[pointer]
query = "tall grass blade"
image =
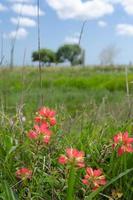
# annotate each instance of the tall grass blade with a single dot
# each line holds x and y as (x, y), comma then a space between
(8, 193)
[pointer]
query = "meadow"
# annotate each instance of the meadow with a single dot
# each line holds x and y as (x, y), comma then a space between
(87, 150)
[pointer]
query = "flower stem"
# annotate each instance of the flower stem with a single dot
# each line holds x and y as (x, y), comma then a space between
(71, 183)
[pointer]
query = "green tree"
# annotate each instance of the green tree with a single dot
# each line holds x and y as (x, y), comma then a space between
(46, 56)
(70, 52)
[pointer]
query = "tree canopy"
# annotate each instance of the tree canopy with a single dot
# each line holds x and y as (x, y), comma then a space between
(68, 52)
(71, 53)
(46, 56)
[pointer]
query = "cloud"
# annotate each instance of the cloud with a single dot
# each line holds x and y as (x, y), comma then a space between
(2, 7)
(125, 29)
(76, 9)
(128, 6)
(23, 21)
(28, 9)
(21, 33)
(102, 24)
(21, 1)
(73, 39)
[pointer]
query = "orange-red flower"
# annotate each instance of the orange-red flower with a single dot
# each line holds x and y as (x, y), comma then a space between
(124, 143)
(46, 115)
(44, 120)
(32, 135)
(94, 178)
(41, 132)
(72, 156)
(24, 173)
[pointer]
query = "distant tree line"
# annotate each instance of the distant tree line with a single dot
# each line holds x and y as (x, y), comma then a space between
(68, 52)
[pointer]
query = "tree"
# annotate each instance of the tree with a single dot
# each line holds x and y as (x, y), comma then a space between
(108, 55)
(46, 56)
(70, 52)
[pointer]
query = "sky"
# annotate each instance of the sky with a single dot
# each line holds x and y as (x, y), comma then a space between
(109, 22)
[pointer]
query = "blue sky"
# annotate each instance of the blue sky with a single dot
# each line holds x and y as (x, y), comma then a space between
(110, 22)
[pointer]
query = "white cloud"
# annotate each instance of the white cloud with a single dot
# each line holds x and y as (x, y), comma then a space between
(21, 1)
(2, 7)
(73, 39)
(102, 24)
(125, 29)
(23, 21)
(128, 6)
(21, 33)
(28, 9)
(76, 9)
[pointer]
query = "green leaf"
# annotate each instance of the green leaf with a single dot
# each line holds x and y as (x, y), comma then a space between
(7, 192)
(93, 194)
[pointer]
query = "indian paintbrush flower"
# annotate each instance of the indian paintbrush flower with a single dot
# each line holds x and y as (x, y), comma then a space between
(94, 178)
(123, 142)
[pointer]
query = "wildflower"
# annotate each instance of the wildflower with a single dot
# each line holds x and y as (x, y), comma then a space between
(94, 178)
(72, 156)
(41, 132)
(52, 121)
(63, 159)
(24, 173)
(124, 143)
(46, 112)
(46, 115)
(46, 139)
(32, 134)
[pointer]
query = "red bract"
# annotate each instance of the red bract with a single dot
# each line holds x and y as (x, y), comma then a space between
(46, 139)
(46, 115)
(32, 135)
(72, 156)
(94, 178)
(124, 143)
(40, 132)
(46, 112)
(62, 159)
(24, 173)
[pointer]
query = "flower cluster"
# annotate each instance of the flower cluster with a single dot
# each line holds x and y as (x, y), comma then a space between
(46, 116)
(73, 156)
(44, 120)
(94, 178)
(123, 142)
(24, 173)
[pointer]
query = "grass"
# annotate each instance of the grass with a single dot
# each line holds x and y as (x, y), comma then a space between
(68, 87)
(92, 107)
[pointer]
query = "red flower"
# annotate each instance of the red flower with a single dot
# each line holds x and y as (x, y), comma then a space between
(46, 115)
(41, 132)
(24, 173)
(94, 178)
(44, 129)
(43, 121)
(46, 139)
(52, 121)
(123, 142)
(32, 135)
(62, 159)
(73, 156)
(46, 112)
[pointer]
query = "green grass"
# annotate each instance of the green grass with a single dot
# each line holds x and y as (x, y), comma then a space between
(91, 105)
(70, 87)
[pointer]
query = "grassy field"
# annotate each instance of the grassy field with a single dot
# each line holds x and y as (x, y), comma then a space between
(92, 106)
(71, 88)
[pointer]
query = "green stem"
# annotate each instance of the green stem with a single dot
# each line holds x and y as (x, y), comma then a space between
(71, 183)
